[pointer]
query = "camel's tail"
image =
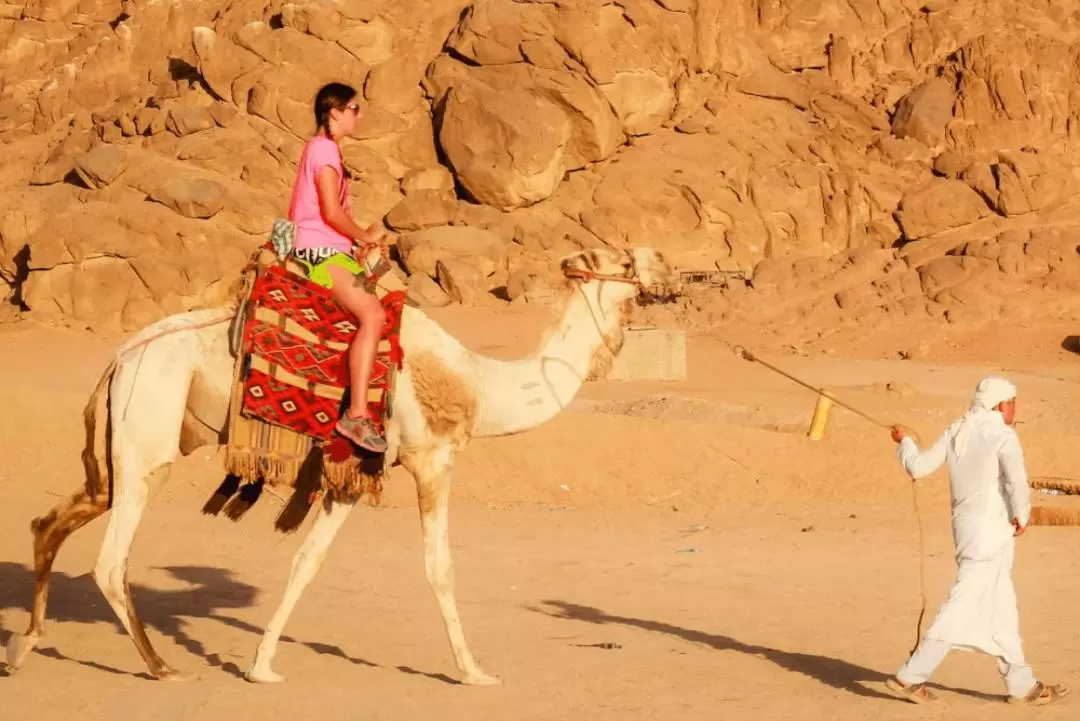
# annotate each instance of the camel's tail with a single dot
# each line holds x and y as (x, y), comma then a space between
(95, 455)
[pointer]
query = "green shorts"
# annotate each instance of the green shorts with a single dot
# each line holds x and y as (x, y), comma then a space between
(316, 262)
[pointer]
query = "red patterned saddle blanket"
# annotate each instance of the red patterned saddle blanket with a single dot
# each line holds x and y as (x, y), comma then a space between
(294, 365)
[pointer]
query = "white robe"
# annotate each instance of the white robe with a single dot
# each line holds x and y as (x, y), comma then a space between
(989, 488)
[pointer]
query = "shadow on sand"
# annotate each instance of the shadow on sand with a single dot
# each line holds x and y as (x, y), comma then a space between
(211, 591)
(833, 672)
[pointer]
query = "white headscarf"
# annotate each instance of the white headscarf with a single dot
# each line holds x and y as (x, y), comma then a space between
(990, 391)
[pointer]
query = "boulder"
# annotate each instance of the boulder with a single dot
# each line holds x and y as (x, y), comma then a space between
(464, 281)
(925, 111)
(520, 282)
(426, 293)
(184, 121)
(101, 166)
(191, 197)
(940, 205)
(421, 250)
(435, 177)
(422, 209)
(506, 148)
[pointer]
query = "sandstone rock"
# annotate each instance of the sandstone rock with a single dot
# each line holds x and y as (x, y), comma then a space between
(422, 209)
(924, 112)
(435, 178)
(184, 121)
(506, 148)
(426, 293)
(520, 282)
(224, 65)
(950, 165)
(463, 281)
(421, 250)
(699, 122)
(192, 198)
(1011, 199)
(944, 273)
(902, 150)
(101, 166)
(61, 160)
(596, 132)
(643, 100)
(859, 297)
(222, 113)
(773, 274)
(768, 82)
(147, 121)
(940, 205)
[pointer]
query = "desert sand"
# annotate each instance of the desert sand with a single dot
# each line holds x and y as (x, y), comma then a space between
(658, 550)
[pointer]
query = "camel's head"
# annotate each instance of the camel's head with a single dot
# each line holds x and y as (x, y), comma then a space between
(644, 273)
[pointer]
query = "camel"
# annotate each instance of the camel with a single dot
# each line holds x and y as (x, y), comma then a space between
(166, 393)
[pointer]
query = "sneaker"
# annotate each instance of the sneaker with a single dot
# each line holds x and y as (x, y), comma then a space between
(361, 431)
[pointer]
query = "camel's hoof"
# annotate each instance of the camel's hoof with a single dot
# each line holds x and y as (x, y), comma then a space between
(481, 679)
(173, 675)
(263, 675)
(19, 648)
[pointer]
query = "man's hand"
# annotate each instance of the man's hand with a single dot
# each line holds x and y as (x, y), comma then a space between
(1018, 530)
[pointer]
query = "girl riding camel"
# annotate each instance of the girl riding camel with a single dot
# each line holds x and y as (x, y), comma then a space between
(328, 242)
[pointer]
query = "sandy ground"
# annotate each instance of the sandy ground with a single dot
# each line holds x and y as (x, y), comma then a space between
(659, 551)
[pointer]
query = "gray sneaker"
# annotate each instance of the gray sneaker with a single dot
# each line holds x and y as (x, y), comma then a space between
(361, 431)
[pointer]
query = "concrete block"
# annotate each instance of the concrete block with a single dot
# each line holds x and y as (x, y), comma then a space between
(651, 353)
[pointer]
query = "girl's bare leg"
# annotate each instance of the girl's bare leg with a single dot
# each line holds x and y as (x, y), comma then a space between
(349, 291)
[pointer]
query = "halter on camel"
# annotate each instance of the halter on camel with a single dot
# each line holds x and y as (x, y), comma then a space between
(587, 275)
(632, 277)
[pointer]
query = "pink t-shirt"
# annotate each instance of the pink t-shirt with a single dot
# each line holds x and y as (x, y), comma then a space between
(311, 230)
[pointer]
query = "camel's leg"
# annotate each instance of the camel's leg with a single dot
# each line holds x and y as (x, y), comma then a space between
(149, 398)
(432, 472)
(131, 496)
(50, 532)
(306, 563)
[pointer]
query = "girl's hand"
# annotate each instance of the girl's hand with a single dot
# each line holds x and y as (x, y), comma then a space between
(374, 234)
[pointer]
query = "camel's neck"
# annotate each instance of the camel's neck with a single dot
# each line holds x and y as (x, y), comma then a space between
(518, 395)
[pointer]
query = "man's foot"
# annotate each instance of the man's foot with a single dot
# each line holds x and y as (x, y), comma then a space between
(915, 693)
(361, 431)
(1041, 695)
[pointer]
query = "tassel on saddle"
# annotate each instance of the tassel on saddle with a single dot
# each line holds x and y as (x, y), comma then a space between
(227, 498)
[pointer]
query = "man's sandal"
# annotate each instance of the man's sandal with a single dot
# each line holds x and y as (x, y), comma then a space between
(1041, 695)
(915, 693)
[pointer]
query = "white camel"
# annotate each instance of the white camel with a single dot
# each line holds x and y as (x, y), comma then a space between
(170, 396)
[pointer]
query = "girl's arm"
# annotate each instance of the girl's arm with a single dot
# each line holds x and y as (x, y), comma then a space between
(328, 186)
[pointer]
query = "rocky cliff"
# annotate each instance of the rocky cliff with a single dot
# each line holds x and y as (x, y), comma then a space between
(855, 159)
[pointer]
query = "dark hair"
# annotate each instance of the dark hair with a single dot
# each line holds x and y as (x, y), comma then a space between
(329, 97)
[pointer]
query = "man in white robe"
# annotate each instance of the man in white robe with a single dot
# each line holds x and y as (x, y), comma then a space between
(991, 506)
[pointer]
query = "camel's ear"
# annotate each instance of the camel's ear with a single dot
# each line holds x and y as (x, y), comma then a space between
(592, 260)
(582, 260)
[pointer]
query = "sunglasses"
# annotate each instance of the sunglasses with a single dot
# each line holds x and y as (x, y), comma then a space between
(353, 107)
